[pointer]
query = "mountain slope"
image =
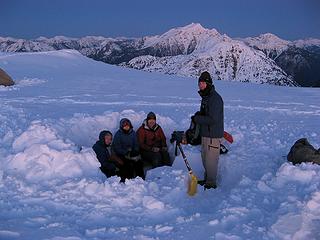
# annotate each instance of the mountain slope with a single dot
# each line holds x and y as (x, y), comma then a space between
(227, 60)
(300, 59)
(269, 43)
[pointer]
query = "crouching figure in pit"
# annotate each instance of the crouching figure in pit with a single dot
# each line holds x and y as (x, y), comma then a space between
(152, 142)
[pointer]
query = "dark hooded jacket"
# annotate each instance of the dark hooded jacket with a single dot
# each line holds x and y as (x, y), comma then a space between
(125, 142)
(103, 152)
(210, 117)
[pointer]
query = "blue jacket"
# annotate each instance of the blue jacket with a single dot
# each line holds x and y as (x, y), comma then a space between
(124, 142)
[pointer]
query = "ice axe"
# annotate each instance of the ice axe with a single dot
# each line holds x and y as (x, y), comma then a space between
(192, 181)
(179, 137)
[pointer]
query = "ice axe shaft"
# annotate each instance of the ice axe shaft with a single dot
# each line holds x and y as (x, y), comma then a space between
(185, 159)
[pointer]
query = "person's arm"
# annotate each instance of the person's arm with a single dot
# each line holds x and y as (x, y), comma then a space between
(114, 158)
(135, 142)
(103, 157)
(204, 120)
(215, 108)
(163, 138)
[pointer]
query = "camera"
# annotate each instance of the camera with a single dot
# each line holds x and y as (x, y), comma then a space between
(178, 137)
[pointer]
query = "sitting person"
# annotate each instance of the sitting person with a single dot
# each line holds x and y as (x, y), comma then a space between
(110, 164)
(152, 141)
(125, 145)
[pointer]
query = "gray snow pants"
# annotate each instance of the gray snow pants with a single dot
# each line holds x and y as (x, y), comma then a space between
(210, 151)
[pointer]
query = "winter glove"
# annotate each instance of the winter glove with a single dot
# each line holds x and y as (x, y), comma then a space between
(136, 158)
(155, 149)
(198, 113)
(127, 155)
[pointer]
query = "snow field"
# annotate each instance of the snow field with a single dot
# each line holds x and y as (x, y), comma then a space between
(51, 187)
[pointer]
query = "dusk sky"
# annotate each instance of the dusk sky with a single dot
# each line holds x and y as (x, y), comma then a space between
(288, 19)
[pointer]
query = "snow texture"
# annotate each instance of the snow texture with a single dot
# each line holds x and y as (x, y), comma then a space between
(51, 187)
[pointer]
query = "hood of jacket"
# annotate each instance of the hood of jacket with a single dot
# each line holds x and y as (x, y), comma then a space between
(102, 135)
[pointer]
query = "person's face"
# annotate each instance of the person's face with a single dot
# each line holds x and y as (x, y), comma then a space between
(126, 127)
(151, 123)
(202, 85)
(107, 139)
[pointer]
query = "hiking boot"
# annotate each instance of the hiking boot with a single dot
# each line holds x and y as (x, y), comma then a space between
(201, 182)
(209, 186)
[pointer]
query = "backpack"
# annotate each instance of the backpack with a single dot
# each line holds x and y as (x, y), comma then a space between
(303, 151)
(193, 134)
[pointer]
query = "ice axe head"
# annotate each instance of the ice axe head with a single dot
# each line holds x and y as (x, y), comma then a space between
(192, 185)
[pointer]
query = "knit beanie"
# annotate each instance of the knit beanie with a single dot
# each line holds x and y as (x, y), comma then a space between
(151, 115)
(205, 77)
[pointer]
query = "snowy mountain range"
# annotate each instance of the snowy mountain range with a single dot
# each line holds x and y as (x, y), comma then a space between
(191, 49)
(299, 59)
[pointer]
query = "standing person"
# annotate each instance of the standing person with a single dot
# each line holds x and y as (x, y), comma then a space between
(125, 145)
(210, 119)
(152, 142)
(110, 165)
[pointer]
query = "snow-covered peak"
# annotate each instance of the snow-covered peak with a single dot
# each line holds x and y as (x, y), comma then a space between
(193, 27)
(193, 30)
(271, 37)
(93, 38)
(188, 31)
(42, 38)
(307, 42)
(267, 41)
(187, 39)
(93, 41)
(62, 38)
(5, 39)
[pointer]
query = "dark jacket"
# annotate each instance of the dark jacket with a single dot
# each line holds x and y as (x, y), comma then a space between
(103, 153)
(303, 151)
(149, 138)
(211, 115)
(124, 142)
